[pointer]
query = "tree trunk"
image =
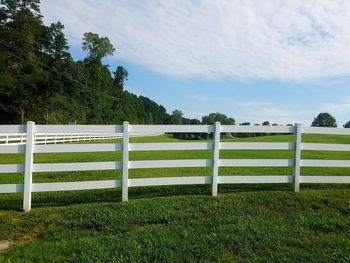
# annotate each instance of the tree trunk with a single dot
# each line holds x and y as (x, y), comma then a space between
(47, 116)
(22, 112)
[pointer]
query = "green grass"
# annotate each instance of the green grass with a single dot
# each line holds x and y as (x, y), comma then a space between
(245, 223)
(169, 155)
(252, 224)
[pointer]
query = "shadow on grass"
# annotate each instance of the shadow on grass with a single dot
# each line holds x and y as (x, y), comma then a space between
(14, 201)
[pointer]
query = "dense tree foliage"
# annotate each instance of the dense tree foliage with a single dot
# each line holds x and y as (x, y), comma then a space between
(214, 117)
(40, 81)
(324, 119)
(347, 125)
(98, 47)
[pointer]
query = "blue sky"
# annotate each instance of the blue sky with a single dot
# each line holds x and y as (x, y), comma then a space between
(282, 61)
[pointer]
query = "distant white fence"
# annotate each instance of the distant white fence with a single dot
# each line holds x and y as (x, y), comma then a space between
(46, 138)
(30, 148)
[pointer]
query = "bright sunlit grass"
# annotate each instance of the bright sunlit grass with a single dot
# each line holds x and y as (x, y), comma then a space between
(268, 223)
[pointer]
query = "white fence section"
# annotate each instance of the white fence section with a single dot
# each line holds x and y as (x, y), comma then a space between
(53, 138)
(31, 131)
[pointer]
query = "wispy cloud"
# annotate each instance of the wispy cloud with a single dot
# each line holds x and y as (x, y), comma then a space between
(206, 98)
(277, 39)
(257, 112)
(342, 107)
(194, 114)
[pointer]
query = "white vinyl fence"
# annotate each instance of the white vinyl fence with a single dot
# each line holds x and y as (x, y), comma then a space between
(46, 138)
(30, 148)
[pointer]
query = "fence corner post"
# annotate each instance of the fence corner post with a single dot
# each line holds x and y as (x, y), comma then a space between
(297, 156)
(216, 156)
(125, 179)
(28, 167)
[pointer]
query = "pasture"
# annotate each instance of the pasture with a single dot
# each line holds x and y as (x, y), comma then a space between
(181, 223)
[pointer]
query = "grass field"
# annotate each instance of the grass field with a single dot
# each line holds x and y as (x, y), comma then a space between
(181, 223)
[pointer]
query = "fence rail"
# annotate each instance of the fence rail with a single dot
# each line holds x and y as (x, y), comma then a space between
(54, 138)
(32, 132)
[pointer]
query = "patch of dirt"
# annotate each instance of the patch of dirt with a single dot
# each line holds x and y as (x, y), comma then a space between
(34, 233)
(4, 244)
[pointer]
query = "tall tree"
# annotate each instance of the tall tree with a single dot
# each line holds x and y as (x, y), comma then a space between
(55, 57)
(21, 73)
(324, 119)
(347, 125)
(55, 43)
(120, 75)
(99, 108)
(220, 117)
(97, 47)
(40, 81)
(176, 117)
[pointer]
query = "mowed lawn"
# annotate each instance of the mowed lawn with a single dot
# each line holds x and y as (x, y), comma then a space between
(181, 223)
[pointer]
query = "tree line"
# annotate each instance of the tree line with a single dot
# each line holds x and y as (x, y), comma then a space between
(40, 81)
(323, 119)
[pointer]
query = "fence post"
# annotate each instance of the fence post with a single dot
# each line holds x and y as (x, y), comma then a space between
(297, 156)
(125, 180)
(27, 193)
(216, 153)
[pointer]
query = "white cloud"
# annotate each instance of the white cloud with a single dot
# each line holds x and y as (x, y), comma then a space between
(257, 112)
(194, 114)
(206, 98)
(341, 108)
(276, 39)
